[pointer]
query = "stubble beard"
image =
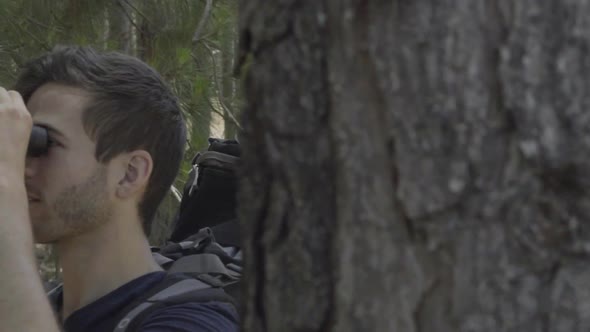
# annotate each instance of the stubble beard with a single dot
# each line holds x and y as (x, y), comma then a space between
(79, 209)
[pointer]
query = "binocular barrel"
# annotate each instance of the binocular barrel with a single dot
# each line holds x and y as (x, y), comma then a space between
(39, 142)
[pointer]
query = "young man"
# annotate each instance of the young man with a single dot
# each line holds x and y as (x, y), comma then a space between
(117, 139)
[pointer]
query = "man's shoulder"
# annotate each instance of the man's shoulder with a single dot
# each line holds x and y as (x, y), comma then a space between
(111, 310)
(182, 303)
(193, 316)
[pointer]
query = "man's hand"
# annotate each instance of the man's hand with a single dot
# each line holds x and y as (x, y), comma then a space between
(15, 131)
(23, 304)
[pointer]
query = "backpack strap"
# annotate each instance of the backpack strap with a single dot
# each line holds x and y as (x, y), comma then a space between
(175, 289)
(198, 264)
(55, 297)
(162, 260)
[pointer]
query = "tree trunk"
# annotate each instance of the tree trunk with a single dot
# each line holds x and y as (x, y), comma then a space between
(416, 165)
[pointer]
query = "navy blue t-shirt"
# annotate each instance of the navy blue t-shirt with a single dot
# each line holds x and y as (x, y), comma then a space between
(101, 315)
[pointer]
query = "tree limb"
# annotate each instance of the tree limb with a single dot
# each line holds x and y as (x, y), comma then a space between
(225, 107)
(203, 21)
(137, 11)
(129, 17)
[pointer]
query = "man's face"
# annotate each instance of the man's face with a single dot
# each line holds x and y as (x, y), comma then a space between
(68, 189)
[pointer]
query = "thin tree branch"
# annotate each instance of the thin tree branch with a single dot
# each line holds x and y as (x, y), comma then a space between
(220, 97)
(120, 3)
(45, 26)
(138, 11)
(203, 21)
(216, 111)
(39, 41)
(196, 39)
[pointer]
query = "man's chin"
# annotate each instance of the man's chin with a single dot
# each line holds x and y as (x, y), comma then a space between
(43, 238)
(41, 234)
(45, 242)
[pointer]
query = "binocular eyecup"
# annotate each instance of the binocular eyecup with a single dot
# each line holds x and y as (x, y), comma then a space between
(39, 142)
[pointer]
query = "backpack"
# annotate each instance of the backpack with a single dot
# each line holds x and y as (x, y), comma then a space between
(199, 270)
(203, 257)
(209, 195)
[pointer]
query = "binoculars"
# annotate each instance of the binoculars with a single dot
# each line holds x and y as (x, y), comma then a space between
(39, 142)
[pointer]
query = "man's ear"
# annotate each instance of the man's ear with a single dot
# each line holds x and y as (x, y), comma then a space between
(138, 169)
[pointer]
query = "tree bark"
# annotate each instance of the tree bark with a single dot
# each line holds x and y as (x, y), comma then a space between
(416, 165)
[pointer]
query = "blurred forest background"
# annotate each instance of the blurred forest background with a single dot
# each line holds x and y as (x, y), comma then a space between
(191, 43)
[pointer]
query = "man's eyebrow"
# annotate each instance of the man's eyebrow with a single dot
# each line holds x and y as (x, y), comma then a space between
(52, 130)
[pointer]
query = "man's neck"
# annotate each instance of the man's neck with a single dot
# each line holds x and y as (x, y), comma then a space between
(100, 261)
